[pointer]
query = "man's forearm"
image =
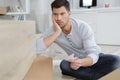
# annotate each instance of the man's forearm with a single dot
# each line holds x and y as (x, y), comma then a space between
(50, 39)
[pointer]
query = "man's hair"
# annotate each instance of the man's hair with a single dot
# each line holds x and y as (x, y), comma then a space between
(60, 3)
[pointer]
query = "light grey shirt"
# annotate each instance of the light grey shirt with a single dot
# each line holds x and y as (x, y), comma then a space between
(79, 42)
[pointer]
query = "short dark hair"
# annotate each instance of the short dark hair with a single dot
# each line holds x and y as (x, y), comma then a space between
(60, 3)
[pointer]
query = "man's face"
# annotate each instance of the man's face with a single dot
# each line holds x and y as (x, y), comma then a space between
(61, 16)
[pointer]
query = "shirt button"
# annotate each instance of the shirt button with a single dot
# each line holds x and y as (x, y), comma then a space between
(68, 36)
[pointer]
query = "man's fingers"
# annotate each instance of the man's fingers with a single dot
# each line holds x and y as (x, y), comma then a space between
(71, 60)
(54, 21)
(75, 67)
(74, 60)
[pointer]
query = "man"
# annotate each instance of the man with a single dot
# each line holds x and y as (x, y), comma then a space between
(76, 37)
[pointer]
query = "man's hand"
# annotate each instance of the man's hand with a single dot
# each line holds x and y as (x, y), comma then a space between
(56, 26)
(75, 63)
(51, 38)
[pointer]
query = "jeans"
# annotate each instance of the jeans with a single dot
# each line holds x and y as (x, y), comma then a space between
(106, 64)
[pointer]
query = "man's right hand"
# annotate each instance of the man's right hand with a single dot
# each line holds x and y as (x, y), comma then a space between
(56, 26)
(51, 38)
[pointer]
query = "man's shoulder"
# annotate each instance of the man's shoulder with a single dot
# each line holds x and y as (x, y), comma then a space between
(80, 25)
(77, 20)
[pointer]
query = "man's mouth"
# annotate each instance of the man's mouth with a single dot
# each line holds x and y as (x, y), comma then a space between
(59, 23)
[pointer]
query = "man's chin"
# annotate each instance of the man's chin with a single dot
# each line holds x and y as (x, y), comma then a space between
(62, 27)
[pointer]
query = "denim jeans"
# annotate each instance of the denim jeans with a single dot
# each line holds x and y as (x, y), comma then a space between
(106, 64)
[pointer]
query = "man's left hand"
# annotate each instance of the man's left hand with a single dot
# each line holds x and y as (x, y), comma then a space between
(75, 63)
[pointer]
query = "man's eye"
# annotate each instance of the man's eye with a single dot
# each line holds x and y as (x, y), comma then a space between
(55, 14)
(62, 13)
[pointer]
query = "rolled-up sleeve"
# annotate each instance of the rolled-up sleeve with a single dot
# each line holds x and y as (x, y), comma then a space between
(95, 57)
(90, 46)
(92, 49)
(40, 46)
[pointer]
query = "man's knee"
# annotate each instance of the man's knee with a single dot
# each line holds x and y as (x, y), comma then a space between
(116, 61)
(65, 66)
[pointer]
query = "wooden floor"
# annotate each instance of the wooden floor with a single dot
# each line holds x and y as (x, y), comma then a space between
(41, 69)
(115, 75)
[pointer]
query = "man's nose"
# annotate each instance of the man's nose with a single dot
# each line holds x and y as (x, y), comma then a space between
(59, 17)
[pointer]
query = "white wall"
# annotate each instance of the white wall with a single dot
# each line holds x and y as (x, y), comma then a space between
(39, 12)
(1, 4)
(113, 3)
(100, 3)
